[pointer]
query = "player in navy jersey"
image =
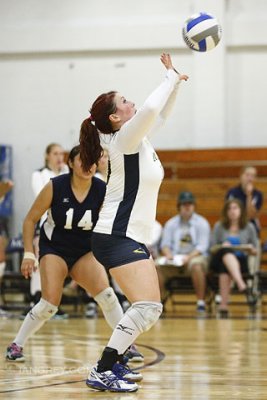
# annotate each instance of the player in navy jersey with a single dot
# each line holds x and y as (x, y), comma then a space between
(126, 221)
(73, 201)
(54, 165)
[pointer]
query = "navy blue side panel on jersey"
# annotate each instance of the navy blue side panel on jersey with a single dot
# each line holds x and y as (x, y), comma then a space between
(73, 220)
(131, 185)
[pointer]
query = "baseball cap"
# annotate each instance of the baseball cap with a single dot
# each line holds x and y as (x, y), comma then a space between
(186, 197)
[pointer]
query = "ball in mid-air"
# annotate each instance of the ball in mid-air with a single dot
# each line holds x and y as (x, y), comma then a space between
(202, 32)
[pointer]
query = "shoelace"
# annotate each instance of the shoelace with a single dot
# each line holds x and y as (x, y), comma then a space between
(110, 379)
(15, 348)
(122, 369)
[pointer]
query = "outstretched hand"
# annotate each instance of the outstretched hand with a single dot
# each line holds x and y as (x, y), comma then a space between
(166, 60)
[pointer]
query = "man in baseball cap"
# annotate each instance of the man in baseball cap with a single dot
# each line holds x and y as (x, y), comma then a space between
(186, 197)
(187, 235)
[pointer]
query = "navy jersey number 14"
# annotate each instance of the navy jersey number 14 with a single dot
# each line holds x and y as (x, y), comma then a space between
(69, 223)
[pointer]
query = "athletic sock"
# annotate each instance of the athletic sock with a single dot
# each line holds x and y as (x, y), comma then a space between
(124, 335)
(113, 315)
(108, 358)
(2, 268)
(29, 326)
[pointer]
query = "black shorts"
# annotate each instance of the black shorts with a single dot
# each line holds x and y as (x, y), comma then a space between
(217, 265)
(70, 258)
(114, 251)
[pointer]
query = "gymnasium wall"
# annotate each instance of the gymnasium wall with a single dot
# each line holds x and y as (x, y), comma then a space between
(57, 56)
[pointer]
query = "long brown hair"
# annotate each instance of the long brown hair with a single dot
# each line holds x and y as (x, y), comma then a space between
(90, 146)
(243, 220)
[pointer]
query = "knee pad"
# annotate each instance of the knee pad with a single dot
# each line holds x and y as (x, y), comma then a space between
(144, 314)
(106, 299)
(43, 310)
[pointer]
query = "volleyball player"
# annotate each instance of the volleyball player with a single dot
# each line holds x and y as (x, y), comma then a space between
(54, 165)
(126, 220)
(73, 201)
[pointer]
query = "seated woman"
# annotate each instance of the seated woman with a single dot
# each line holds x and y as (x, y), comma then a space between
(233, 230)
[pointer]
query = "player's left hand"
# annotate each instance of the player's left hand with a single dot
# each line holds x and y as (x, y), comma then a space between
(166, 60)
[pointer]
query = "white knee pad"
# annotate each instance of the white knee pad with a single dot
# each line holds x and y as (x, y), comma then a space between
(144, 314)
(106, 299)
(43, 310)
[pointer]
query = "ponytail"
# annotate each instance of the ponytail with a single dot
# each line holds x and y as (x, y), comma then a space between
(90, 147)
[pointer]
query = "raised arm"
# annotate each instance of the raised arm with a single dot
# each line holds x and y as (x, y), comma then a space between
(133, 131)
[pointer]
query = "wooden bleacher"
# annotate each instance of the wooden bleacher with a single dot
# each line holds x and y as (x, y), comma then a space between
(208, 174)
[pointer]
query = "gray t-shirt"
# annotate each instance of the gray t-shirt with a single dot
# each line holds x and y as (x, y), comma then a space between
(246, 235)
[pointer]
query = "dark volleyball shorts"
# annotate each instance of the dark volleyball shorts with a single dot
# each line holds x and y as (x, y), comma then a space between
(114, 251)
(70, 256)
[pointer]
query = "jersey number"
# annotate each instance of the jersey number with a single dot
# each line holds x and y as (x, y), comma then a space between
(85, 222)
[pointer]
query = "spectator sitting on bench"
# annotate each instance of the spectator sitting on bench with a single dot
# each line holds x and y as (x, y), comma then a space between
(232, 230)
(186, 234)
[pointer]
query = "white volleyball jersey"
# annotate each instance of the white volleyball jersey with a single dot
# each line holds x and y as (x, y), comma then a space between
(129, 208)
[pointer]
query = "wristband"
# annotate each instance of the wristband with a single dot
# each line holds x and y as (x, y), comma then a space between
(29, 255)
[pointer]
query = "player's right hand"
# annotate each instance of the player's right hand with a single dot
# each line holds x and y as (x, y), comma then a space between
(27, 267)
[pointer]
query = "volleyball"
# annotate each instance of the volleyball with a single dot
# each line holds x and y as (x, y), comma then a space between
(202, 32)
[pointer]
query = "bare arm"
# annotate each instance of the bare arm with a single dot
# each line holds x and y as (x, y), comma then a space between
(5, 187)
(252, 211)
(39, 207)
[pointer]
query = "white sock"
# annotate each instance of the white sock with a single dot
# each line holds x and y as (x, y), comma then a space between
(2, 268)
(29, 326)
(201, 303)
(112, 315)
(123, 335)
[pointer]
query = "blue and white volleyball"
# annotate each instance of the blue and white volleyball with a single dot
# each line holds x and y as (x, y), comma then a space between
(202, 32)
